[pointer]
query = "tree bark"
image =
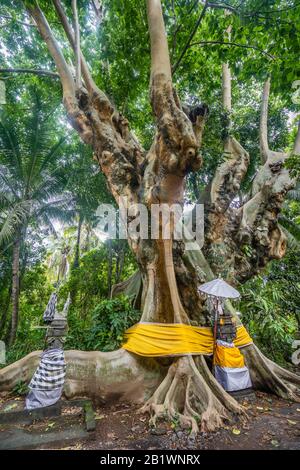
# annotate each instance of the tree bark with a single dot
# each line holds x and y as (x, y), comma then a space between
(77, 247)
(5, 310)
(15, 289)
(263, 132)
(77, 44)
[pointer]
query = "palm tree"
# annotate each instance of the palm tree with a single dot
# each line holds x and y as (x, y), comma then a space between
(89, 188)
(31, 183)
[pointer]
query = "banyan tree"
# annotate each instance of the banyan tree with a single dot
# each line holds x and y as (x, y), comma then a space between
(169, 274)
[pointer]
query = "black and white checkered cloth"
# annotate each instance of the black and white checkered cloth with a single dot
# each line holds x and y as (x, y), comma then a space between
(50, 374)
(49, 312)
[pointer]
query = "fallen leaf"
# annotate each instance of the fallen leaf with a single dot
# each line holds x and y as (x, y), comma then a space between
(99, 416)
(236, 431)
(10, 407)
(260, 408)
(49, 426)
(291, 422)
(274, 443)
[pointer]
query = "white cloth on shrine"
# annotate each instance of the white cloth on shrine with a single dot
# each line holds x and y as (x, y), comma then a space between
(47, 383)
(50, 310)
(225, 344)
(42, 398)
(232, 379)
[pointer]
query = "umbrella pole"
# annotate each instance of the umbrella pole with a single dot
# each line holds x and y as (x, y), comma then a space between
(215, 335)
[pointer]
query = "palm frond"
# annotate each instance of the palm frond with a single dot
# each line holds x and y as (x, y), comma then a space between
(7, 183)
(50, 185)
(61, 208)
(46, 220)
(53, 153)
(9, 146)
(14, 218)
(32, 167)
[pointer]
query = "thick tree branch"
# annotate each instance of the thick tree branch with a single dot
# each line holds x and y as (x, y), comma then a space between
(263, 130)
(97, 96)
(272, 161)
(259, 228)
(77, 44)
(219, 195)
(31, 71)
(160, 60)
(89, 83)
(55, 51)
(230, 173)
(92, 115)
(176, 143)
(103, 101)
(226, 87)
(77, 117)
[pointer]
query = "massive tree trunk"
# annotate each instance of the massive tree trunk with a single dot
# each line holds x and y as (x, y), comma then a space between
(170, 273)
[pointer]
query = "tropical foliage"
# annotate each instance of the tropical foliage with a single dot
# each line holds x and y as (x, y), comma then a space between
(50, 187)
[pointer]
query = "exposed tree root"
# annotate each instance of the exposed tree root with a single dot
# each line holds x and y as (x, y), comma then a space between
(117, 374)
(19, 371)
(269, 377)
(191, 396)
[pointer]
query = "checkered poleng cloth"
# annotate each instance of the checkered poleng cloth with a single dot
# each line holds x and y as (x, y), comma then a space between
(49, 312)
(51, 371)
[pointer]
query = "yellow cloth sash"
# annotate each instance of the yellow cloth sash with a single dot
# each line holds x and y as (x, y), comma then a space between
(175, 339)
(228, 357)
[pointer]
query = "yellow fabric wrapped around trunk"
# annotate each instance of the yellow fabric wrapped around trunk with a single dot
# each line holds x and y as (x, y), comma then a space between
(228, 357)
(175, 339)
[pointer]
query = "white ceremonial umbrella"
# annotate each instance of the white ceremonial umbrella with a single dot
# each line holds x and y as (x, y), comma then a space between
(219, 288)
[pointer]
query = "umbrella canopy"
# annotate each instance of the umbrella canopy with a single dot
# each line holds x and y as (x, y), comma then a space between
(219, 288)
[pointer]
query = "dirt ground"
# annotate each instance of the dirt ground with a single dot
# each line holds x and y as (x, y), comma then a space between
(272, 424)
